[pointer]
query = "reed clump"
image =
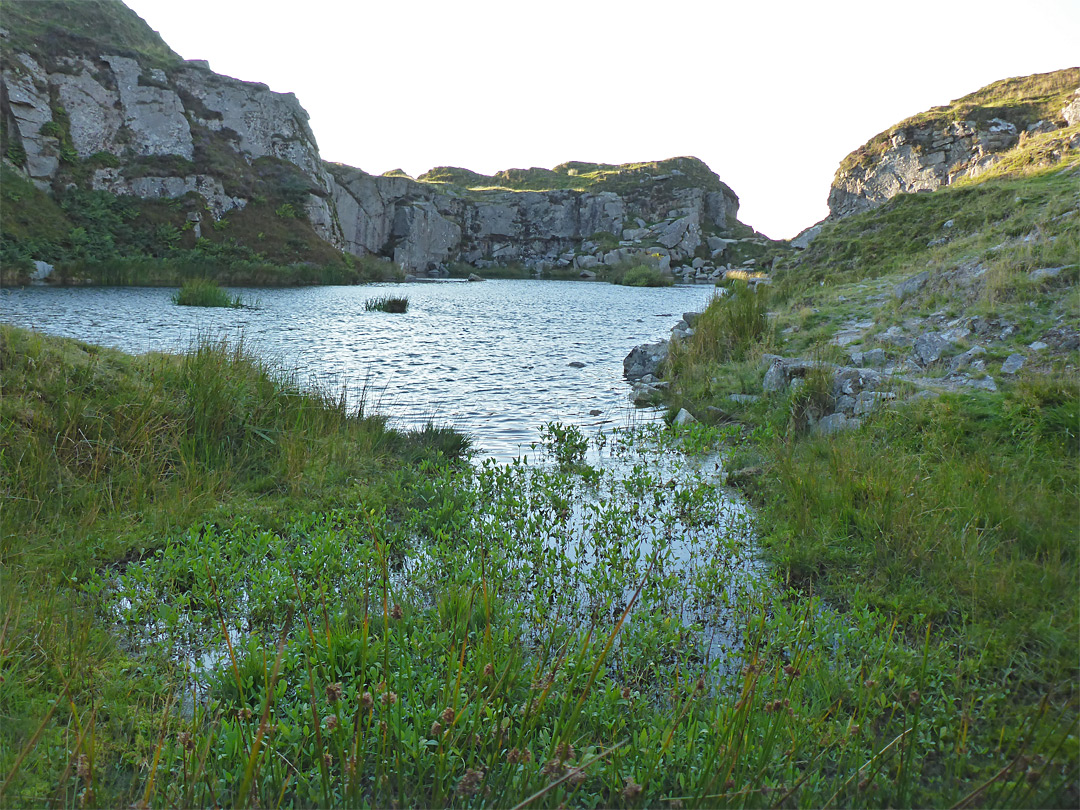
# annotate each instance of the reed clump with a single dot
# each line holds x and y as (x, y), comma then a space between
(387, 303)
(201, 292)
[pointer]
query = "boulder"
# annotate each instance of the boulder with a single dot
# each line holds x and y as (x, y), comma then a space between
(928, 348)
(836, 423)
(683, 418)
(1013, 363)
(645, 359)
(912, 285)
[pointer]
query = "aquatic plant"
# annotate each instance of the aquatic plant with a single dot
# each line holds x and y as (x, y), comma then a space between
(202, 292)
(387, 303)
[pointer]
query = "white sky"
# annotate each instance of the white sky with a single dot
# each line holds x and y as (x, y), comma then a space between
(771, 94)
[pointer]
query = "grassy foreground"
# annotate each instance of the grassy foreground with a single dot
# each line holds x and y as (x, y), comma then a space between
(221, 590)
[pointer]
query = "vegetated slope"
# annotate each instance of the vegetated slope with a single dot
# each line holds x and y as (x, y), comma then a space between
(1033, 115)
(64, 28)
(912, 424)
(150, 168)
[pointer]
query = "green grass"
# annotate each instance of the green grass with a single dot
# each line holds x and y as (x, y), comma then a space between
(640, 276)
(987, 218)
(204, 293)
(958, 512)
(65, 27)
(1022, 101)
(386, 626)
(387, 303)
(578, 176)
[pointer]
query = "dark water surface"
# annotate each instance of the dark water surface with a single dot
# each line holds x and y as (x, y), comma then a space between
(490, 358)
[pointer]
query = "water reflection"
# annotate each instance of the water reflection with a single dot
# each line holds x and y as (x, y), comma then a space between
(490, 358)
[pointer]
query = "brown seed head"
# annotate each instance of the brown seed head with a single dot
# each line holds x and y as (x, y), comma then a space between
(82, 764)
(448, 716)
(564, 751)
(245, 713)
(626, 693)
(489, 670)
(366, 700)
(577, 776)
(470, 782)
(331, 722)
(632, 790)
(513, 756)
(869, 683)
(396, 612)
(436, 729)
(914, 697)
(327, 758)
(388, 698)
(333, 692)
(553, 769)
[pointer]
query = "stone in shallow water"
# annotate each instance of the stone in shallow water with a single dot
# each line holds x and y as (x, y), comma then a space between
(576, 364)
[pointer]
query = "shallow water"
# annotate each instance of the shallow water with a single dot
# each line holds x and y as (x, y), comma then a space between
(489, 358)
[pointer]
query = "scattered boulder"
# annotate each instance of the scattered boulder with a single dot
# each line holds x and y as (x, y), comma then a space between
(683, 418)
(869, 400)
(474, 277)
(1013, 363)
(1043, 273)
(910, 286)
(836, 423)
(576, 364)
(928, 348)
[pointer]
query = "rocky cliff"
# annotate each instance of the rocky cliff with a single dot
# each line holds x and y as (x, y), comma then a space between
(91, 98)
(671, 212)
(1034, 115)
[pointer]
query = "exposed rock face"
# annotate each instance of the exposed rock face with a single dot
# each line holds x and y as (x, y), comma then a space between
(921, 159)
(114, 105)
(933, 151)
(116, 122)
(422, 224)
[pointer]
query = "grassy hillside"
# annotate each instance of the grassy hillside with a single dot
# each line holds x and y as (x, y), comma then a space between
(958, 507)
(71, 27)
(1022, 101)
(100, 238)
(680, 172)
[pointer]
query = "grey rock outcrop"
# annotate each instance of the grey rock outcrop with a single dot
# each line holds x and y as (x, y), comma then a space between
(166, 129)
(929, 152)
(539, 229)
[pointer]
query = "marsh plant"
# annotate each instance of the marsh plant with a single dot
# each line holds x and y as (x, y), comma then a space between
(369, 621)
(201, 292)
(387, 303)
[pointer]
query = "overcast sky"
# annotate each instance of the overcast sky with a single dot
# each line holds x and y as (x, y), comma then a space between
(772, 95)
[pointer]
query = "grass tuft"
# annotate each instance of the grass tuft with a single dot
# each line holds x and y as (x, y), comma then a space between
(387, 303)
(202, 292)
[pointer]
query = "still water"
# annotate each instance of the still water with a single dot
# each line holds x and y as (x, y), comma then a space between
(490, 358)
